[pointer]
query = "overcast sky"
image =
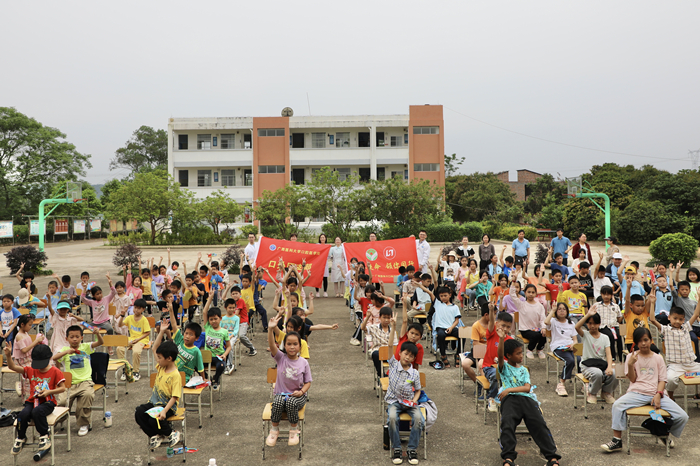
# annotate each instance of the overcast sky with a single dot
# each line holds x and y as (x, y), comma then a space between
(618, 76)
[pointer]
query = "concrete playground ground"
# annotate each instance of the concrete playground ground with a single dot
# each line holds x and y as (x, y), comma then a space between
(343, 422)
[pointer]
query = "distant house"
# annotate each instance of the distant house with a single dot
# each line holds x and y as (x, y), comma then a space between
(524, 177)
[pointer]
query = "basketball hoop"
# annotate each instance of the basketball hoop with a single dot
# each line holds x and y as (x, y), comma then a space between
(79, 200)
(74, 191)
(574, 186)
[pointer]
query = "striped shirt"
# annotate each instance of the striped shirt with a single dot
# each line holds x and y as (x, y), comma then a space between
(609, 313)
(403, 384)
(679, 349)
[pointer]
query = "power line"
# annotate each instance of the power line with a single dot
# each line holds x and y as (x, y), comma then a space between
(560, 143)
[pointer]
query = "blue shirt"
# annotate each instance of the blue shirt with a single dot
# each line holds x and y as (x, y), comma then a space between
(560, 245)
(399, 280)
(611, 273)
(562, 268)
(521, 248)
(494, 273)
(445, 314)
(637, 288)
(664, 301)
(506, 270)
(513, 377)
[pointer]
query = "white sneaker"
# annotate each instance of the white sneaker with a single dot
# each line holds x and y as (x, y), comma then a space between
(561, 389)
(137, 376)
(83, 431)
(229, 370)
(123, 377)
(18, 388)
(325, 295)
(492, 405)
(529, 355)
(355, 342)
(541, 354)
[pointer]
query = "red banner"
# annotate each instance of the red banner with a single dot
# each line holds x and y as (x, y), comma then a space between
(385, 257)
(292, 252)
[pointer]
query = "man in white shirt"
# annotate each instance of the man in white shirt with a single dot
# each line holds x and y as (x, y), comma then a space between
(251, 249)
(423, 251)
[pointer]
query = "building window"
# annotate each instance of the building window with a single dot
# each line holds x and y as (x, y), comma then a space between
(270, 169)
(381, 173)
(228, 141)
(425, 167)
(182, 141)
(343, 173)
(342, 139)
(318, 140)
(203, 177)
(204, 141)
(426, 130)
(248, 177)
(396, 141)
(271, 132)
(228, 177)
(183, 177)
(405, 139)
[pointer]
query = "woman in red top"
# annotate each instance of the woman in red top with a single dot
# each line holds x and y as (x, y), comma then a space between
(582, 245)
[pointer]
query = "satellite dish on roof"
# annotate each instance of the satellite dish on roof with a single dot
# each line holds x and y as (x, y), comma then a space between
(287, 112)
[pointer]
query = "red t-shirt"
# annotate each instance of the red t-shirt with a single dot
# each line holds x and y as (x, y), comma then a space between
(492, 340)
(243, 314)
(52, 378)
(419, 357)
(554, 289)
(365, 302)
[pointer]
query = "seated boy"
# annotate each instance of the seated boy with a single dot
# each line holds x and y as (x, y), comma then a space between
(76, 360)
(45, 382)
(679, 348)
(479, 330)
(596, 363)
(189, 358)
(636, 315)
(422, 296)
(503, 321)
(411, 333)
(139, 330)
(401, 397)
(167, 391)
(217, 341)
(398, 280)
(518, 404)
(380, 336)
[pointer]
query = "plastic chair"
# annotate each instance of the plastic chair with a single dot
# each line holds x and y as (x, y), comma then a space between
(206, 359)
(178, 417)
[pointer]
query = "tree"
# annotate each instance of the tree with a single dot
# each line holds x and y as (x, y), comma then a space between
(337, 201)
(146, 150)
(643, 221)
(218, 208)
(151, 197)
(474, 197)
(405, 207)
(33, 158)
(275, 208)
(452, 164)
(108, 189)
(538, 192)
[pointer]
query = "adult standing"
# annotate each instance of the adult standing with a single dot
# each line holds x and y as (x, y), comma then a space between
(582, 245)
(337, 256)
(521, 249)
(465, 250)
(323, 239)
(486, 251)
(251, 249)
(423, 251)
(613, 247)
(560, 244)
(376, 283)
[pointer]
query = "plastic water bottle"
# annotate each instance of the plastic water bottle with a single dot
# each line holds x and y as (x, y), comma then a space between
(108, 419)
(212, 461)
(169, 452)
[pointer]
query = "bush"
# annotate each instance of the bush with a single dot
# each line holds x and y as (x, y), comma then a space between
(247, 230)
(444, 232)
(510, 232)
(270, 232)
(33, 259)
(21, 233)
(473, 230)
(674, 247)
(127, 254)
(397, 231)
(643, 220)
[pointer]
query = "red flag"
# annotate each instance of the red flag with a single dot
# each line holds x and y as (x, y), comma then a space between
(385, 257)
(292, 252)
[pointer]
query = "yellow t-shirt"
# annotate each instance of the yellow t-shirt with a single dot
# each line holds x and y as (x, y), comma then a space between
(575, 301)
(635, 321)
(136, 329)
(146, 286)
(478, 333)
(167, 385)
(247, 295)
(304, 353)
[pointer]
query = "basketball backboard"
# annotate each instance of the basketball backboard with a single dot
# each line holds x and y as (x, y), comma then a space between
(74, 191)
(574, 186)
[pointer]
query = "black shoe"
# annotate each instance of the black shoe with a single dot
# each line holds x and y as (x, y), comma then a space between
(397, 457)
(412, 457)
(613, 445)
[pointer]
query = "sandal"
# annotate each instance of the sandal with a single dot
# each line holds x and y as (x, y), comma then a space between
(293, 437)
(445, 362)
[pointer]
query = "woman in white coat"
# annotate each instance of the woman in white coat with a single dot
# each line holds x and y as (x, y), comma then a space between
(337, 257)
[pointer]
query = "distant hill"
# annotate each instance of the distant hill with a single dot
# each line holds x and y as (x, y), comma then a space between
(98, 189)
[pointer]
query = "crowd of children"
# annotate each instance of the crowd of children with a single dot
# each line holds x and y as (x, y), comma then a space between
(570, 303)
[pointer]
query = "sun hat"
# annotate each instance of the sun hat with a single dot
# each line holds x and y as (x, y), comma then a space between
(22, 296)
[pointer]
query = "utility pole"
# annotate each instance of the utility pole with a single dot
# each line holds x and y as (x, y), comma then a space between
(694, 158)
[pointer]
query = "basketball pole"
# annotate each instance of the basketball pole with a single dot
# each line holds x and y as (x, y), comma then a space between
(42, 216)
(606, 210)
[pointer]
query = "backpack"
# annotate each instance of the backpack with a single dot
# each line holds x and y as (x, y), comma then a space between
(7, 417)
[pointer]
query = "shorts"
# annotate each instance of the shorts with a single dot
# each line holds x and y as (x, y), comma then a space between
(468, 355)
